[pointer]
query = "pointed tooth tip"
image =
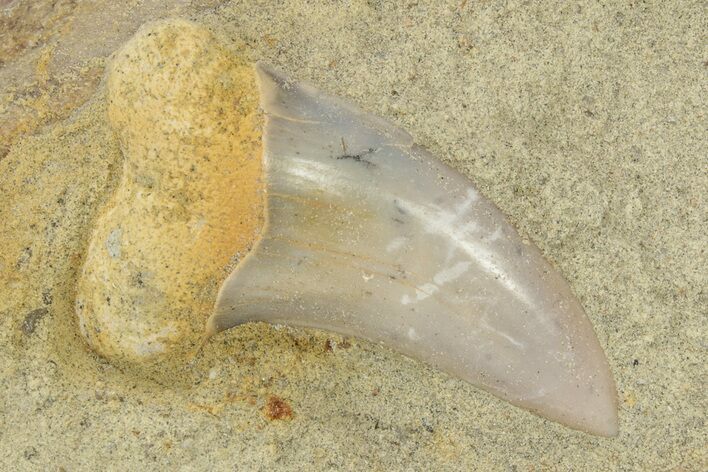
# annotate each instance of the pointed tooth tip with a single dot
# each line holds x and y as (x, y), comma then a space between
(602, 418)
(593, 415)
(593, 410)
(603, 405)
(597, 408)
(601, 425)
(606, 421)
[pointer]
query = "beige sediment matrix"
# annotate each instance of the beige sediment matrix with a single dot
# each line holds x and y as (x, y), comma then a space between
(190, 198)
(583, 121)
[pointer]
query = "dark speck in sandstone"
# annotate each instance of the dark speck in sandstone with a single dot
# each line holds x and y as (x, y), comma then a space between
(29, 324)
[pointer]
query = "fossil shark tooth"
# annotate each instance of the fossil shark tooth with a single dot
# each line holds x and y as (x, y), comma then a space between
(335, 220)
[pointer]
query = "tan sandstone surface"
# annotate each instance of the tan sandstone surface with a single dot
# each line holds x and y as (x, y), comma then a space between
(584, 121)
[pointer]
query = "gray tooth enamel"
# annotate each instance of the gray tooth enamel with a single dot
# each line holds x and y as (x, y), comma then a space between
(369, 235)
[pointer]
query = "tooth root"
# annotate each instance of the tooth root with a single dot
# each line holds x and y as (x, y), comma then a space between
(368, 235)
(187, 116)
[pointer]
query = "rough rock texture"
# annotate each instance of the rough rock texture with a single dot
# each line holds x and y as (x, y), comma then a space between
(190, 201)
(583, 121)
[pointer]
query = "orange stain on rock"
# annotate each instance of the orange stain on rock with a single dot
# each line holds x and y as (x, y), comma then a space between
(277, 409)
